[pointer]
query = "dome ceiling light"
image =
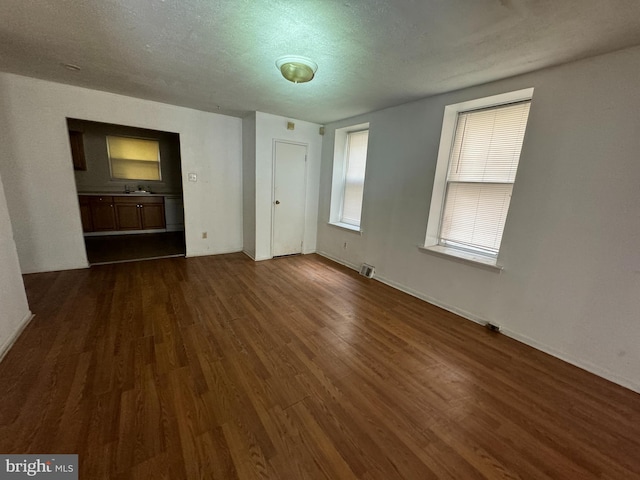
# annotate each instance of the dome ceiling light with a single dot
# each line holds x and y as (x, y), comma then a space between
(296, 69)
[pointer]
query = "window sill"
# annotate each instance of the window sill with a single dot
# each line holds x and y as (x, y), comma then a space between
(346, 226)
(465, 257)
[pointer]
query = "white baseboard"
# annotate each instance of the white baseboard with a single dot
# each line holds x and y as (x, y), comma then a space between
(582, 364)
(4, 349)
(414, 293)
(58, 268)
(254, 258)
(338, 260)
(261, 259)
(577, 362)
(206, 254)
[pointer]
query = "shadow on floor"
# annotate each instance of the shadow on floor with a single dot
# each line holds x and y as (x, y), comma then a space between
(124, 248)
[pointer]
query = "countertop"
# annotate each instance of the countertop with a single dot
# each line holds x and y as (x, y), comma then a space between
(132, 194)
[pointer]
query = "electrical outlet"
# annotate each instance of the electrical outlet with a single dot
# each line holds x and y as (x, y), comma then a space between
(193, 177)
(204, 234)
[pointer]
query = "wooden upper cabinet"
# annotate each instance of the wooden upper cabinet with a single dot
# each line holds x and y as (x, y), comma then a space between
(77, 150)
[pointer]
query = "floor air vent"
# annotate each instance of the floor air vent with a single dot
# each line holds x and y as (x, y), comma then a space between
(366, 270)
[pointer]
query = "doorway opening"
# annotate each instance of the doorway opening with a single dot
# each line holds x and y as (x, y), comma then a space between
(129, 186)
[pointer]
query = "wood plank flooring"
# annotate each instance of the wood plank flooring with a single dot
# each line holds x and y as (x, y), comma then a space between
(295, 368)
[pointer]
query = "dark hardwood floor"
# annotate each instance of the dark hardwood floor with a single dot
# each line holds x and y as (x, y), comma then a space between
(294, 368)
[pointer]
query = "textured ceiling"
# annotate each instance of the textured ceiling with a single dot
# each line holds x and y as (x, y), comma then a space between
(219, 55)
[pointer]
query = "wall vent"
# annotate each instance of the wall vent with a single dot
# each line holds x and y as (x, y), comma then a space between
(367, 270)
(493, 327)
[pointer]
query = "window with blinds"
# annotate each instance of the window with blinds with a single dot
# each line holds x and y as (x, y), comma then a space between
(482, 168)
(134, 158)
(356, 161)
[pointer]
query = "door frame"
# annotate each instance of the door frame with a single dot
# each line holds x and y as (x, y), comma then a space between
(273, 189)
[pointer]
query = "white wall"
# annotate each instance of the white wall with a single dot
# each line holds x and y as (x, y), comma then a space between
(571, 279)
(14, 310)
(268, 129)
(39, 178)
(249, 184)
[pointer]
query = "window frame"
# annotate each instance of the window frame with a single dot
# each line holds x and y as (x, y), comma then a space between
(338, 182)
(436, 210)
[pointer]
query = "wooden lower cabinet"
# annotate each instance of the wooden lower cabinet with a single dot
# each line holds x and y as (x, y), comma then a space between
(103, 216)
(121, 213)
(85, 214)
(140, 213)
(128, 215)
(152, 215)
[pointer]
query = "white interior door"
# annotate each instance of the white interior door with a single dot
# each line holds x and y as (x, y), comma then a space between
(289, 193)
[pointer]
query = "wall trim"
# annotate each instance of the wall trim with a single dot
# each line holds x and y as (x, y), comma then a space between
(352, 266)
(414, 293)
(576, 362)
(4, 349)
(206, 254)
(249, 255)
(582, 364)
(56, 269)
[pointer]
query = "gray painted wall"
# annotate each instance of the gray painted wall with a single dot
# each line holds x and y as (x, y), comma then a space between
(97, 177)
(571, 278)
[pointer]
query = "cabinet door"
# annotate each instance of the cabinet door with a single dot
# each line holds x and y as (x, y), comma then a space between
(77, 150)
(85, 214)
(152, 215)
(128, 215)
(102, 213)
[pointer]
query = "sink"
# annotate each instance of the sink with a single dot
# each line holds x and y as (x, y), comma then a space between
(140, 189)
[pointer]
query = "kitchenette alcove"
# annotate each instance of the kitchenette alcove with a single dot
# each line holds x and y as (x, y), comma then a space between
(129, 185)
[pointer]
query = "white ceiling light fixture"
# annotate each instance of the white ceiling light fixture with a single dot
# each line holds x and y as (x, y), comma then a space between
(297, 69)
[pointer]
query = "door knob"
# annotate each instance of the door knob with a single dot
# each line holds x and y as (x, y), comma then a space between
(277, 202)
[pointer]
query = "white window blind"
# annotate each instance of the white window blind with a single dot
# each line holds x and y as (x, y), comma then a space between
(354, 177)
(134, 158)
(482, 168)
